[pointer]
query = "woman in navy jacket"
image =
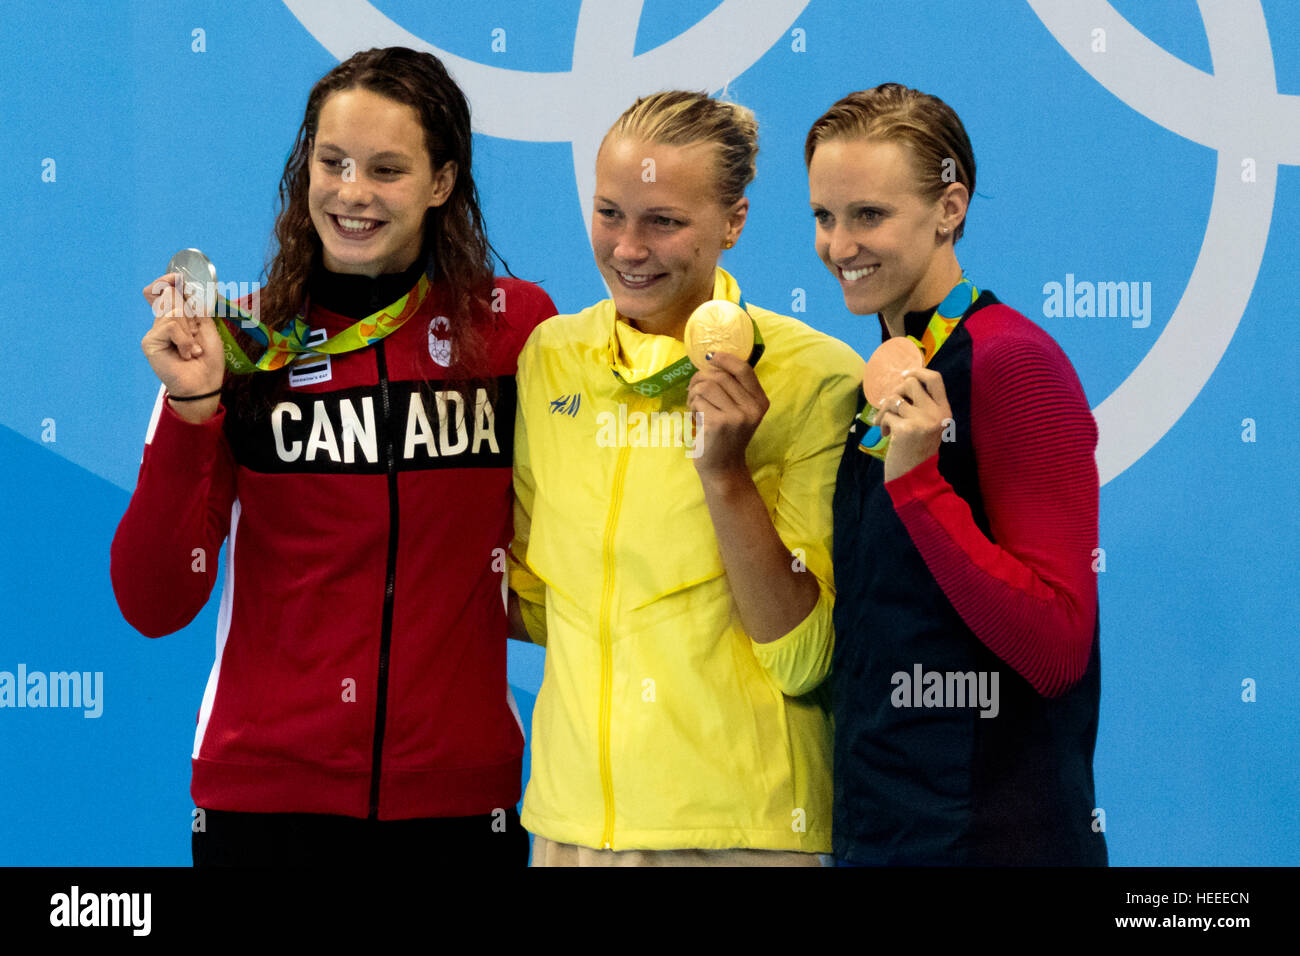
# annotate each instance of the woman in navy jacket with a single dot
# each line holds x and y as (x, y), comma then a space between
(966, 668)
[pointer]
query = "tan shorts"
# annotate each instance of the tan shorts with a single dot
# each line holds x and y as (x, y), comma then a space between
(549, 853)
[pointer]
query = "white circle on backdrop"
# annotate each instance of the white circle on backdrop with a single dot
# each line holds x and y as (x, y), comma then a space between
(1236, 111)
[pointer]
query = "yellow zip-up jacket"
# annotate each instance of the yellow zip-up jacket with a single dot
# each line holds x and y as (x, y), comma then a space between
(660, 724)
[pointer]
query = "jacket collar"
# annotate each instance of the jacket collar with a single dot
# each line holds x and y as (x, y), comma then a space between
(914, 323)
(635, 354)
(357, 296)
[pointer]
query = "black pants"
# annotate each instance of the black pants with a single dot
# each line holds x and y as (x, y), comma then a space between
(230, 838)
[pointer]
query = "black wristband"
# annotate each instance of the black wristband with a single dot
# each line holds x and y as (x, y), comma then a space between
(191, 398)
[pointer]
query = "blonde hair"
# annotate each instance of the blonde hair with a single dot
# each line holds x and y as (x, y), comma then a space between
(682, 118)
(895, 113)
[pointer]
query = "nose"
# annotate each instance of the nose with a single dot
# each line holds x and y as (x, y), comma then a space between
(840, 246)
(354, 189)
(629, 246)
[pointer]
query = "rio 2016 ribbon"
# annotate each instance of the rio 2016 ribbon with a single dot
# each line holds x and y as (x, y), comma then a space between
(198, 271)
(282, 349)
(942, 321)
(673, 376)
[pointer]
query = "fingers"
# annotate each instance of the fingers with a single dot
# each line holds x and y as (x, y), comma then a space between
(152, 290)
(175, 324)
(902, 405)
(886, 418)
(171, 332)
(920, 389)
(893, 410)
(161, 294)
(740, 370)
(920, 402)
(702, 406)
(186, 342)
(722, 391)
(913, 394)
(730, 384)
(166, 296)
(932, 382)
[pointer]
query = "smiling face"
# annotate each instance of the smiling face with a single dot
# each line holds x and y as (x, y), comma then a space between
(371, 183)
(876, 233)
(657, 243)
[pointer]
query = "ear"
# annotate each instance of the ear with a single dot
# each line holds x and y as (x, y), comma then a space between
(952, 206)
(444, 180)
(736, 217)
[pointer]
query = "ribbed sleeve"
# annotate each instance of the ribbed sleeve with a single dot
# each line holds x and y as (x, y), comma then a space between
(1031, 597)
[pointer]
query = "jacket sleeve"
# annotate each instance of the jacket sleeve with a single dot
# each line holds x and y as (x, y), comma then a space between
(800, 660)
(163, 559)
(530, 589)
(1030, 594)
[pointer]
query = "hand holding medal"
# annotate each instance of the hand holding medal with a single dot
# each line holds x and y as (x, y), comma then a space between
(183, 347)
(906, 401)
(192, 299)
(724, 394)
(910, 406)
(884, 372)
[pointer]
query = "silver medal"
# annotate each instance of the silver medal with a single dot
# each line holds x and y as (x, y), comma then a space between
(198, 277)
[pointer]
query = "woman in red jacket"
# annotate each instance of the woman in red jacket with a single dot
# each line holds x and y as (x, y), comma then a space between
(358, 708)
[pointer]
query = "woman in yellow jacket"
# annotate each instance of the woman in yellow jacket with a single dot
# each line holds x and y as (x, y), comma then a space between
(672, 542)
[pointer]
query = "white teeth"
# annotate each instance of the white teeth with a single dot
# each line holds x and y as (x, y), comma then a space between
(854, 274)
(634, 280)
(356, 224)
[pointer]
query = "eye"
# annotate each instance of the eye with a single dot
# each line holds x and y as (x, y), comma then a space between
(869, 215)
(666, 221)
(389, 171)
(607, 213)
(822, 216)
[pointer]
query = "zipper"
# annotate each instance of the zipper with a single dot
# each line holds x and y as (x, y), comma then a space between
(390, 579)
(606, 651)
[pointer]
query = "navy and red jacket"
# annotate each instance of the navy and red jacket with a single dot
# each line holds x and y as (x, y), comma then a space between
(972, 572)
(361, 641)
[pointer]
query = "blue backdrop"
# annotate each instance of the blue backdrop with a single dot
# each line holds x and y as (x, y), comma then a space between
(1141, 141)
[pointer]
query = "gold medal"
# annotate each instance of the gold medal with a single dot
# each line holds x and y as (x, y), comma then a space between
(718, 326)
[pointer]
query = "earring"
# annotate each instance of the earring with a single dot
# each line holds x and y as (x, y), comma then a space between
(943, 231)
(728, 244)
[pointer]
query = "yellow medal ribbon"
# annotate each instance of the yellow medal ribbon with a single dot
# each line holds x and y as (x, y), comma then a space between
(946, 316)
(282, 349)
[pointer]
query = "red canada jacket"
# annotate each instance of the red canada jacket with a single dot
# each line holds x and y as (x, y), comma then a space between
(361, 641)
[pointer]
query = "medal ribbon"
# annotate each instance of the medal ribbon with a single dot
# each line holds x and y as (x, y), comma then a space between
(281, 349)
(943, 320)
(667, 379)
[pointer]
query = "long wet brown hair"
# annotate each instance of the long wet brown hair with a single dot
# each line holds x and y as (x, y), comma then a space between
(455, 243)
